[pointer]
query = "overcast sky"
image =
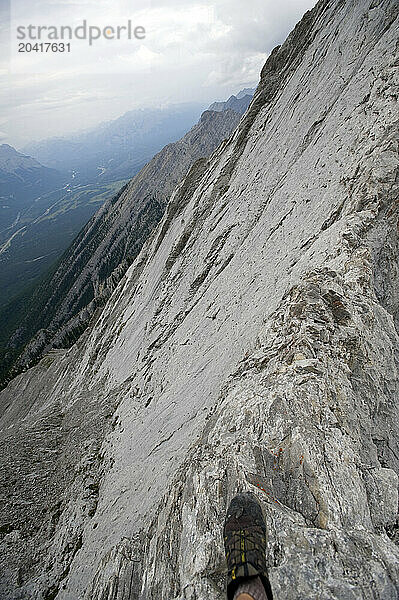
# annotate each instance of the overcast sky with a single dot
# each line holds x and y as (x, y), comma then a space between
(194, 50)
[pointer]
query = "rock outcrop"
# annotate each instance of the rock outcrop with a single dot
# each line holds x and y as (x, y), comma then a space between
(252, 344)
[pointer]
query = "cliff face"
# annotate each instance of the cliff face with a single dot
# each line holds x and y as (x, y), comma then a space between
(251, 345)
(60, 308)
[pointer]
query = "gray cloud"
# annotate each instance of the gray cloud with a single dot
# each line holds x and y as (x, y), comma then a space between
(195, 50)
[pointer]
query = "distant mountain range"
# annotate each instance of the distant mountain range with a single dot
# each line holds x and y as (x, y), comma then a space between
(117, 149)
(246, 92)
(238, 103)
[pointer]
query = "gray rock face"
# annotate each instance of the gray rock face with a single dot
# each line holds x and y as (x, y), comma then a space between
(251, 345)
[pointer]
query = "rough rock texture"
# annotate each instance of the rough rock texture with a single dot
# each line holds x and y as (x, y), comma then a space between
(253, 344)
(61, 307)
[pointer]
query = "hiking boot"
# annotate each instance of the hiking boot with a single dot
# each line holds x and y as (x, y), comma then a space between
(245, 543)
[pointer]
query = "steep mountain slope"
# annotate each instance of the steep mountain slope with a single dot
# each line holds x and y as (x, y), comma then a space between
(251, 345)
(59, 309)
(120, 148)
(22, 180)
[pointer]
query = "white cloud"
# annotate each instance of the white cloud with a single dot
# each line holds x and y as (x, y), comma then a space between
(195, 50)
(236, 72)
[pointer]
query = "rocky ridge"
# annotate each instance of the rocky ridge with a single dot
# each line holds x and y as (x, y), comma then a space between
(252, 344)
(238, 103)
